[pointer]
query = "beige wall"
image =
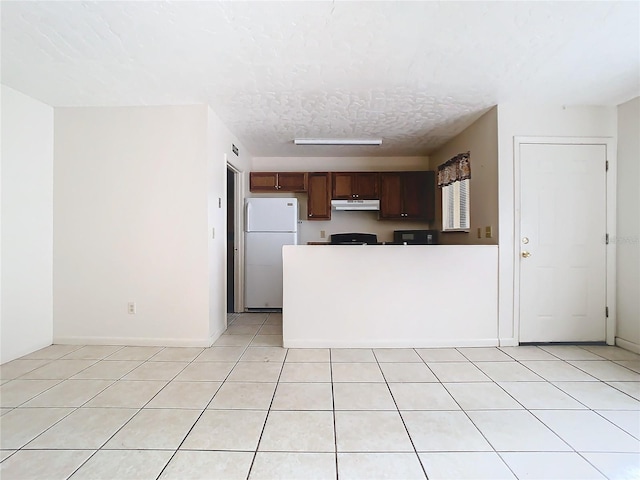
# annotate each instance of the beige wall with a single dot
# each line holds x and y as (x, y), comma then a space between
(627, 239)
(219, 153)
(364, 222)
(27, 225)
(530, 120)
(130, 224)
(481, 139)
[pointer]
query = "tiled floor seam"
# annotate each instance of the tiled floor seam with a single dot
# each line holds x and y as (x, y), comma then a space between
(266, 418)
(333, 408)
(207, 405)
(415, 450)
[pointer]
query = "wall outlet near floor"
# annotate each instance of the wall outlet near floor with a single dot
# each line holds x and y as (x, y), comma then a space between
(131, 308)
(488, 232)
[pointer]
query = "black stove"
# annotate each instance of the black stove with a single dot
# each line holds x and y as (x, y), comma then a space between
(354, 239)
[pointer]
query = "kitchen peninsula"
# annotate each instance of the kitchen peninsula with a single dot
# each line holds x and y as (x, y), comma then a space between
(390, 296)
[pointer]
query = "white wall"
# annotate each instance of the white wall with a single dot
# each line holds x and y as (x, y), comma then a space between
(390, 296)
(481, 139)
(628, 235)
(364, 222)
(130, 224)
(27, 225)
(219, 153)
(534, 121)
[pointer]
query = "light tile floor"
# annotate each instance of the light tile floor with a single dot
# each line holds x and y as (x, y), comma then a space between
(247, 408)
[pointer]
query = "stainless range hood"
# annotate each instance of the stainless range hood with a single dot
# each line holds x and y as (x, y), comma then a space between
(358, 205)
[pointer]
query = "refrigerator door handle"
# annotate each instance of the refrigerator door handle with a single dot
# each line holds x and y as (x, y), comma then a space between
(246, 216)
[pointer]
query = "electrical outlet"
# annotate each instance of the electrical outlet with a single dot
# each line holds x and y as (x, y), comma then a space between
(131, 308)
(488, 233)
(323, 234)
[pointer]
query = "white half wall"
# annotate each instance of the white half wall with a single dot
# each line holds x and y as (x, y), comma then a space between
(130, 225)
(390, 296)
(535, 121)
(627, 239)
(27, 225)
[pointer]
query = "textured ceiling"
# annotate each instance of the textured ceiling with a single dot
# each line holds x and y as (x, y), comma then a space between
(412, 73)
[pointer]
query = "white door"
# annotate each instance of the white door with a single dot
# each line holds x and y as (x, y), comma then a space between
(562, 243)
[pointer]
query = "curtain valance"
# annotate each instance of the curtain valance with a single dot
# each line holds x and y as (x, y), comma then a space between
(454, 170)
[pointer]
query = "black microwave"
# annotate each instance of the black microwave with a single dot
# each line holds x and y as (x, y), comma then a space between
(416, 237)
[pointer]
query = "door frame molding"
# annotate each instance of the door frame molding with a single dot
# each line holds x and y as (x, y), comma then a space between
(238, 223)
(611, 175)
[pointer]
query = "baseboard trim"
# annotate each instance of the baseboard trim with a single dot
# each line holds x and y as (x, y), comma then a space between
(215, 336)
(509, 342)
(135, 341)
(627, 345)
(397, 343)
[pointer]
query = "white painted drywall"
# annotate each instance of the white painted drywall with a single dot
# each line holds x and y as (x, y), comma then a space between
(27, 225)
(390, 296)
(130, 225)
(220, 142)
(364, 222)
(533, 121)
(481, 139)
(628, 235)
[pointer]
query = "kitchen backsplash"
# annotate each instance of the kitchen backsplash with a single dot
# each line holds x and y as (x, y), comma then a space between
(343, 222)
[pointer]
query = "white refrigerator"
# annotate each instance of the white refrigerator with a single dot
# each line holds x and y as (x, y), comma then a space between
(270, 223)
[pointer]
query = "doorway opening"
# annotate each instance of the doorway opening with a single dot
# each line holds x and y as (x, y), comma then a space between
(231, 240)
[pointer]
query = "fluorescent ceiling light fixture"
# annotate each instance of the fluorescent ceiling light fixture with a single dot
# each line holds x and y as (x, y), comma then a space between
(338, 141)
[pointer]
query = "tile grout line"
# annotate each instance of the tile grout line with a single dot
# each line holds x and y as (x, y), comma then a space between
(415, 450)
(333, 411)
(266, 418)
(210, 400)
(99, 449)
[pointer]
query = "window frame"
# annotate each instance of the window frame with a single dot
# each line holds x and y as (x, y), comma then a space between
(455, 187)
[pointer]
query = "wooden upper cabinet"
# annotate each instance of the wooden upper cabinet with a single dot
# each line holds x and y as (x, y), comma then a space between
(319, 201)
(391, 195)
(278, 181)
(355, 185)
(407, 195)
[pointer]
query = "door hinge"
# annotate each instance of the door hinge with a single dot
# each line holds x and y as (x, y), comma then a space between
(606, 166)
(606, 239)
(606, 311)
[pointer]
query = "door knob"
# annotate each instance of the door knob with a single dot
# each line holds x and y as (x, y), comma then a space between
(526, 254)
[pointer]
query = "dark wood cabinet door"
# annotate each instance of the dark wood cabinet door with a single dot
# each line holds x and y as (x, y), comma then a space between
(319, 201)
(407, 195)
(367, 186)
(414, 193)
(390, 195)
(343, 186)
(278, 181)
(292, 181)
(430, 196)
(355, 185)
(263, 182)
